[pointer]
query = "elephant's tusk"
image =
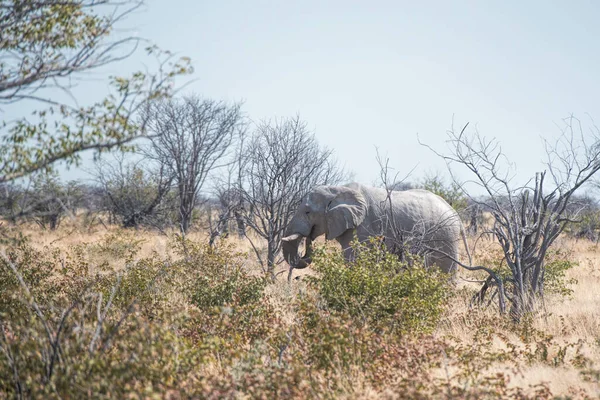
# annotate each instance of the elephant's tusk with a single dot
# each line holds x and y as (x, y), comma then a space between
(292, 238)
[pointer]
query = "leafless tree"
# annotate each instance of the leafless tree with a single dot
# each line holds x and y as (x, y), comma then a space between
(193, 137)
(42, 199)
(527, 218)
(282, 162)
(11, 196)
(135, 195)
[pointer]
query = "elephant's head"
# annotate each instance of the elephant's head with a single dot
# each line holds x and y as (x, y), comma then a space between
(329, 210)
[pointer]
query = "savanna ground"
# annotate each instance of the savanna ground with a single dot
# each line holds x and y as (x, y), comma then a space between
(110, 313)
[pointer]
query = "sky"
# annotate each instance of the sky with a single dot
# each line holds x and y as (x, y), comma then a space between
(379, 73)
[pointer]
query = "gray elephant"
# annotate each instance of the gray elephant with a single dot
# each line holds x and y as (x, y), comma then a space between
(417, 220)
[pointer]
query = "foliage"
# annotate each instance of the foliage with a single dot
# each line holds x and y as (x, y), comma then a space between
(452, 192)
(587, 225)
(35, 270)
(96, 320)
(51, 200)
(232, 310)
(381, 290)
(11, 198)
(68, 330)
(119, 244)
(44, 200)
(115, 360)
(558, 263)
(43, 45)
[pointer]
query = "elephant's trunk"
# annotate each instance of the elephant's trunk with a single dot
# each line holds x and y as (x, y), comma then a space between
(290, 251)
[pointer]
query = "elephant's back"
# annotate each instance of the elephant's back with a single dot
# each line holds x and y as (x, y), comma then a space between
(414, 205)
(424, 205)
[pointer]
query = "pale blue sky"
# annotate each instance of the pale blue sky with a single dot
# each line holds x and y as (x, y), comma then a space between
(376, 73)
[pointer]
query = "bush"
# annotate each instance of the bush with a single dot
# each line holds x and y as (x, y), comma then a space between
(61, 338)
(558, 262)
(199, 324)
(36, 270)
(232, 309)
(381, 290)
(120, 245)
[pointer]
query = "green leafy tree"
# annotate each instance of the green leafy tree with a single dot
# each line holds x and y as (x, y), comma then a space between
(452, 192)
(46, 44)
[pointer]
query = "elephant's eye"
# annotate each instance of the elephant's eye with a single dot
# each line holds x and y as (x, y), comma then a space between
(307, 212)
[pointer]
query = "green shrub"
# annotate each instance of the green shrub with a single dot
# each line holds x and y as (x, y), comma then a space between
(558, 262)
(121, 245)
(144, 283)
(232, 309)
(226, 284)
(452, 193)
(36, 269)
(61, 338)
(217, 276)
(381, 290)
(135, 358)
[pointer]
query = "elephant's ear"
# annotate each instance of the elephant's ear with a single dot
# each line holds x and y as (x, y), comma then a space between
(346, 211)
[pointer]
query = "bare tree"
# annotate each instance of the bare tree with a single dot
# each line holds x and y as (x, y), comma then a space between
(42, 199)
(11, 196)
(135, 195)
(282, 162)
(527, 218)
(193, 137)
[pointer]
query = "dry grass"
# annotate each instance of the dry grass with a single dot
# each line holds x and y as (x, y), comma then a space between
(568, 320)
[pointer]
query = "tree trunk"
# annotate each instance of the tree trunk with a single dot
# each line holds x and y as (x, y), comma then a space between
(241, 225)
(271, 259)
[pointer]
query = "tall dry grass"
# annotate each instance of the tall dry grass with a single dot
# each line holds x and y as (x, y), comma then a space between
(571, 320)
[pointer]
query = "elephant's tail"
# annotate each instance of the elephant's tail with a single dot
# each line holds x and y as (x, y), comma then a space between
(463, 234)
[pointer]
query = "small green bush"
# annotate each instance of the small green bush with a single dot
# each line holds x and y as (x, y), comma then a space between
(216, 276)
(233, 310)
(60, 338)
(227, 284)
(120, 245)
(558, 262)
(381, 290)
(143, 282)
(136, 360)
(36, 269)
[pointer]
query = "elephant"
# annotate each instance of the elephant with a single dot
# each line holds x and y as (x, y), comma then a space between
(415, 219)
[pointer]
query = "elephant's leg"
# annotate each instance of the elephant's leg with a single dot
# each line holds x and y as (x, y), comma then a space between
(345, 241)
(445, 263)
